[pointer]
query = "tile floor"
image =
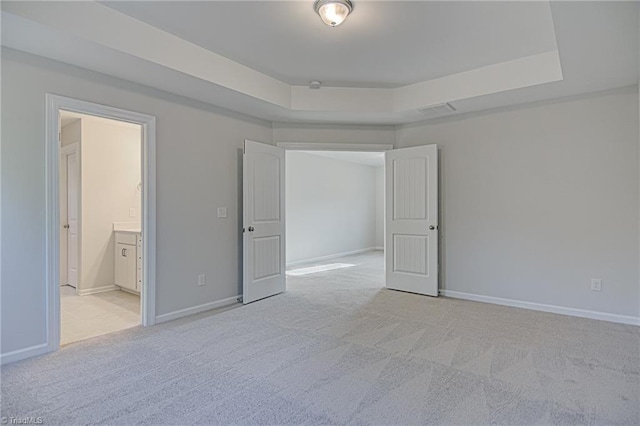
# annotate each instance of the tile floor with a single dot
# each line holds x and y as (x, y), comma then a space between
(82, 317)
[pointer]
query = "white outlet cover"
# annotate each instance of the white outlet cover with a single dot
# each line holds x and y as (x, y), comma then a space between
(222, 212)
(596, 284)
(201, 280)
(132, 212)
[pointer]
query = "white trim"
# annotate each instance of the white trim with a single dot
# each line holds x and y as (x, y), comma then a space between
(378, 248)
(128, 290)
(54, 104)
(622, 319)
(310, 146)
(96, 290)
(197, 309)
(24, 353)
(333, 256)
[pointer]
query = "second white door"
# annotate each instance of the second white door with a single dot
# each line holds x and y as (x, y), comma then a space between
(264, 221)
(411, 219)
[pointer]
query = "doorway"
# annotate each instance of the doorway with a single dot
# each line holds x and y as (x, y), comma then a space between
(86, 283)
(101, 259)
(411, 232)
(335, 220)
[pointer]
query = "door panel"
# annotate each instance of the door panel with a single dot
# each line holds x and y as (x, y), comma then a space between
(264, 222)
(409, 189)
(72, 220)
(411, 216)
(266, 183)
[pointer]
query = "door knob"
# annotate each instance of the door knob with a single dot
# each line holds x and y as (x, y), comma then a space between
(431, 227)
(251, 229)
(66, 226)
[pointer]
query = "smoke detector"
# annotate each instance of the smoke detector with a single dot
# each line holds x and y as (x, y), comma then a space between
(437, 110)
(315, 84)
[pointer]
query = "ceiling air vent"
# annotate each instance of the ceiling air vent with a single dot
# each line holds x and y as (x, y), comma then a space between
(437, 110)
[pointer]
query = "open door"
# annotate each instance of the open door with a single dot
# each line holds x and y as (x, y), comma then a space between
(411, 219)
(264, 225)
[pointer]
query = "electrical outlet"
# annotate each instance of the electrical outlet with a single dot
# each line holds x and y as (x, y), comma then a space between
(202, 280)
(132, 212)
(596, 284)
(222, 212)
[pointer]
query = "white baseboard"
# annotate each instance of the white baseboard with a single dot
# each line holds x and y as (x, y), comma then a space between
(197, 309)
(97, 290)
(127, 290)
(25, 353)
(378, 248)
(332, 256)
(583, 313)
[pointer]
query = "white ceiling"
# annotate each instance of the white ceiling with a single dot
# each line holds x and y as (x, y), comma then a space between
(475, 55)
(374, 159)
(382, 44)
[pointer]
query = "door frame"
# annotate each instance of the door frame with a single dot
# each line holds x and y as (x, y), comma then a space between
(313, 146)
(65, 151)
(53, 105)
(354, 147)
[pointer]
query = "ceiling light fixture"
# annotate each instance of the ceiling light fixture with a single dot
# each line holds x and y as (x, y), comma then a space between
(333, 12)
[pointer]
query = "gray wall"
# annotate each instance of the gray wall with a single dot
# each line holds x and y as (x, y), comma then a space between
(338, 133)
(380, 207)
(537, 201)
(198, 170)
(331, 206)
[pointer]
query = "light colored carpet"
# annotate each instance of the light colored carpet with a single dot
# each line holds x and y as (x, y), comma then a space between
(338, 349)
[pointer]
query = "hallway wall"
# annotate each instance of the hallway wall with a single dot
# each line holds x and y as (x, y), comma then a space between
(331, 206)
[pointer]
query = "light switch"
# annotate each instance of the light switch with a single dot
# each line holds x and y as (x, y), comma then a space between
(222, 212)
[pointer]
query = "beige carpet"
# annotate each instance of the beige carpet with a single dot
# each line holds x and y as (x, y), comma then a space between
(338, 349)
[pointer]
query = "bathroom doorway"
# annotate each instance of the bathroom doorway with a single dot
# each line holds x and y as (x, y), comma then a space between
(132, 237)
(101, 259)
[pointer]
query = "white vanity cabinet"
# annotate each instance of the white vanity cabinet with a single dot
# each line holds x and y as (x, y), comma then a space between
(128, 260)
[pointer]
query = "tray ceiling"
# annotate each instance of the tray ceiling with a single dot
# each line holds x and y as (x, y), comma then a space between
(384, 64)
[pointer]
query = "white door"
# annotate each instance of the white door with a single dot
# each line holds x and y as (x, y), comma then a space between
(411, 219)
(72, 220)
(264, 225)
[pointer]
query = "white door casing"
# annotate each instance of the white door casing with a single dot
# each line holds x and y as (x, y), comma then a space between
(264, 221)
(411, 219)
(54, 104)
(72, 219)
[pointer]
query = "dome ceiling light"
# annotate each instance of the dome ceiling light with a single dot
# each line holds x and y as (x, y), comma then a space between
(333, 12)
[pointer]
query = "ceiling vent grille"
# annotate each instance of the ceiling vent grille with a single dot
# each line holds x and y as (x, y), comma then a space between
(437, 110)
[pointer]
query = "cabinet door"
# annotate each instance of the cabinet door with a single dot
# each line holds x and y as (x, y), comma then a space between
(125, 267)
(120, 265)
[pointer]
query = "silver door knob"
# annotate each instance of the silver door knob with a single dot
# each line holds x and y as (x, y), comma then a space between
(431, 227)
(251, 229)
